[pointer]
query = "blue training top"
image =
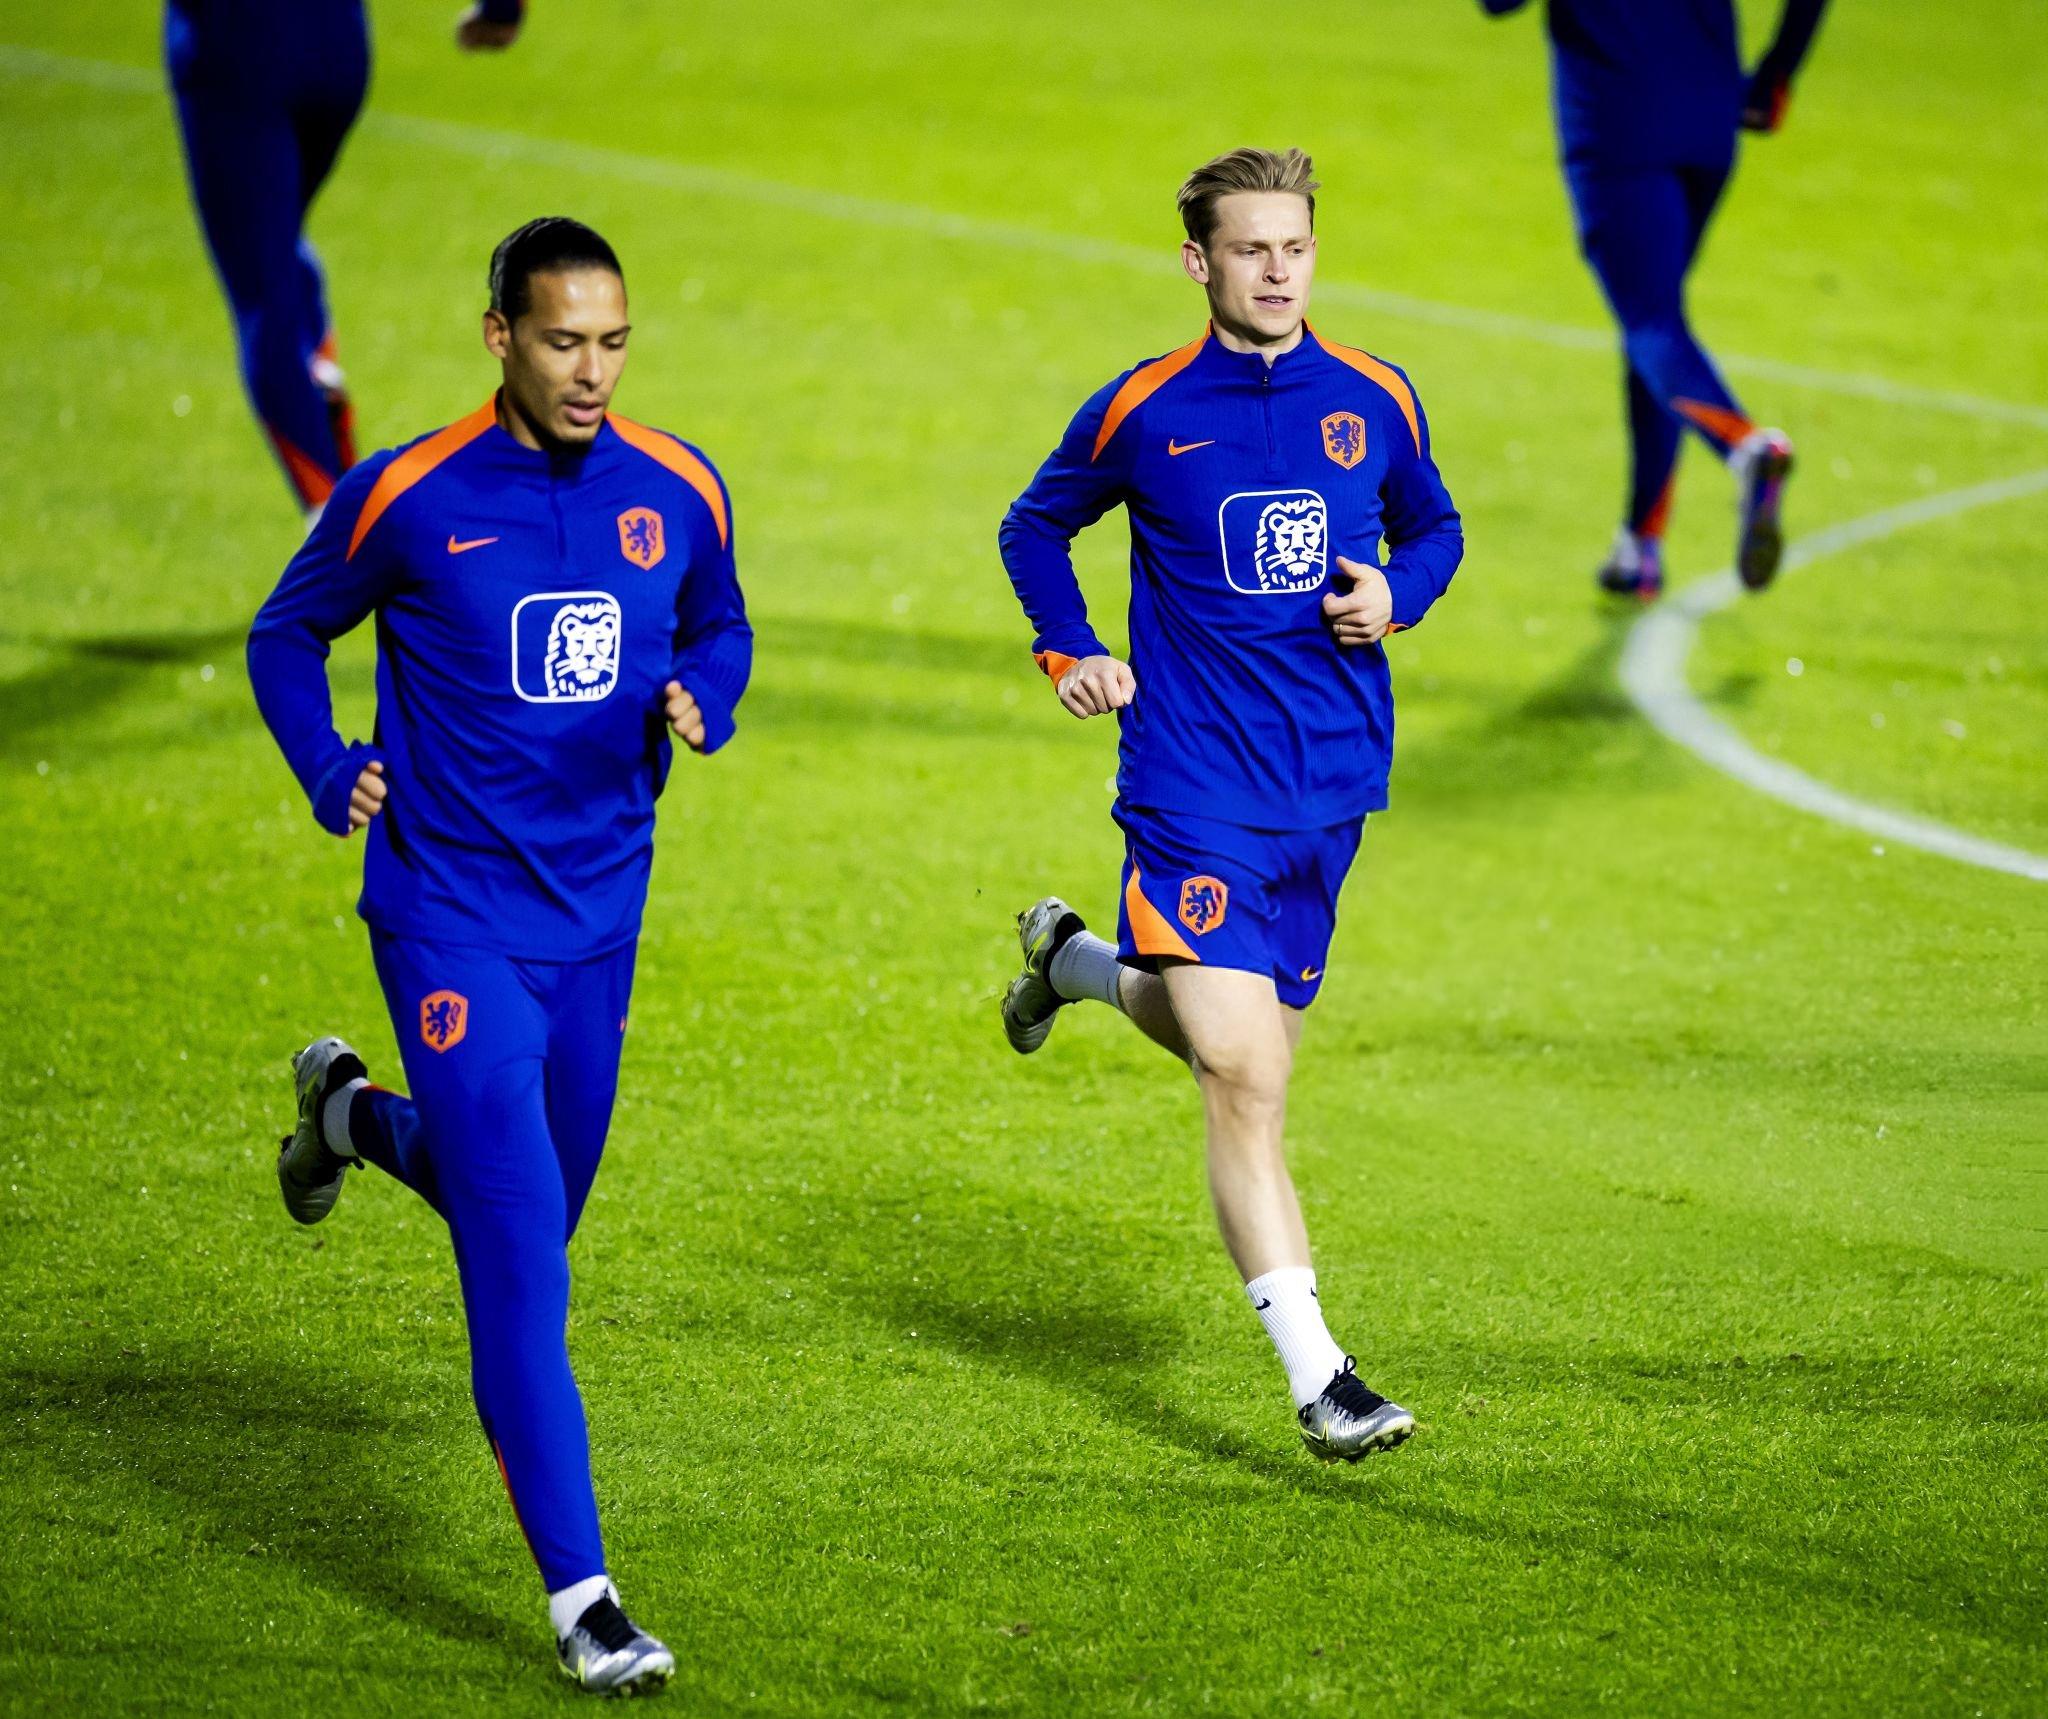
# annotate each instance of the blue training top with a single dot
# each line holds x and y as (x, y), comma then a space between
(1244, 482)
(1659, 83)
(531, 607)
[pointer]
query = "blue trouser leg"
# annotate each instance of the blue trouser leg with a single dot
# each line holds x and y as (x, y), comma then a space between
(494, 1049)
(1640, 228)
(255, 165)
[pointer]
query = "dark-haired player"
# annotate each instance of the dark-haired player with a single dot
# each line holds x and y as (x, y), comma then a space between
(266, 93)
(1261, 467)
(554, 592)
(1650, 95)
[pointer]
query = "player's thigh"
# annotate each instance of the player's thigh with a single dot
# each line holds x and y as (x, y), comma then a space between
(1702, 187)
(1194, 890)
(474, 1041)
(1636, 230)
(1234, 1024)
(243, 158)
(587, 1012)
(1305, 908)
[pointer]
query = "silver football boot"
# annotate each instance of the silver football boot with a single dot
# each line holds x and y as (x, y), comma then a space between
(1349, 1421)
(609, 1654)
(1030, 1003)
(309, 1172)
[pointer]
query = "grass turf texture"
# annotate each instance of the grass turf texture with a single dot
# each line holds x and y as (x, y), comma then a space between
(1678, 1158)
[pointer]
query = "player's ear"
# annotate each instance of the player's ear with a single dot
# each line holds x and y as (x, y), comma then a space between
(497, 334)
(1195, 261)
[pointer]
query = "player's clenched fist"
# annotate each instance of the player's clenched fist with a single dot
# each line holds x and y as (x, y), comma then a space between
(366, 798)
(684, 716)
(1094, 686)
(1361, 615)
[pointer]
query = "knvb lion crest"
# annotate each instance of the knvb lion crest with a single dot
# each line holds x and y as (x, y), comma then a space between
(1203, 903)
(444, 1019)
(640, 538)
(1344, 438)
(1288, 553)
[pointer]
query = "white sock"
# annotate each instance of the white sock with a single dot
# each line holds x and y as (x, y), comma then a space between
(1293, 1317)
(566, 1605)
(1086, 969)
(334, 1119)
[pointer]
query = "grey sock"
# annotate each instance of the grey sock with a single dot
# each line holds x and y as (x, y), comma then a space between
(334, 1119)
(1086, 968)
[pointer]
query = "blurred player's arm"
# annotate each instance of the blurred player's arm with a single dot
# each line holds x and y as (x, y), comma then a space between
(1076, 486)
(324, 593)
(714, 643)
(1770, 85)
(1425, 538)
(490, 24)
(1501, 8)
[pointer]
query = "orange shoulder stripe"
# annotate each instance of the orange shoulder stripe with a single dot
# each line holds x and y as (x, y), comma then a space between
(1385, 375)
(665, 450)
(412, 465)
(1141, 385)
(1149, 928)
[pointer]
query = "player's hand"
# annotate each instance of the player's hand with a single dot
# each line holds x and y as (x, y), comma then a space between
(684, 716)
(1362, 615)
(1763, 106)
(475, 33)
(366, 798)
(1094, 686)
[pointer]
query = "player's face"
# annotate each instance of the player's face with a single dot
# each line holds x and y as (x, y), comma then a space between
(1257, 265)
(563, 356)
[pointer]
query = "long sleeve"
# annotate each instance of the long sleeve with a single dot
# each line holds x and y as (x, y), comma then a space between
(1788, 49)
(323, 594)
(714, 642)
(1425, 538)
(1076, 486)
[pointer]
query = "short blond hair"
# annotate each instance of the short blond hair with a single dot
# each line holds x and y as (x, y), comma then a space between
(1243, 170)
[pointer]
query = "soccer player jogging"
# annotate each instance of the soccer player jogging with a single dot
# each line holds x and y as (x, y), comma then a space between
(1261, 467)
(554, 592)
(266, 91)
(1650, 95)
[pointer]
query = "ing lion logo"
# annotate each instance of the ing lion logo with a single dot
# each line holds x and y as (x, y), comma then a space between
(1203, 903)
(583, 650)
(640, 537)
(1344, 438)
(444, 1018)
(1288, 554)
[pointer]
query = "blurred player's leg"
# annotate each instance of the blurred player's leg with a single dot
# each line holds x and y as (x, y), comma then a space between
(245, 180)
(1635, 565)
(1641, 228)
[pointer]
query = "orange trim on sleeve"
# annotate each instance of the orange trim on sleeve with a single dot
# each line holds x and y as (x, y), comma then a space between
(1142, 384)
(1055, 664)
(1150, 929)
(415, 463)
(665, 450)
(311, 479)
(1384, 374)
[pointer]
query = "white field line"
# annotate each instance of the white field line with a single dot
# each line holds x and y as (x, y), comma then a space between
(1653, 664)
(1653, 675)
(493, 145)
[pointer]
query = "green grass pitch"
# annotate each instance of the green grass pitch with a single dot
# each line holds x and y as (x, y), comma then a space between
(1678, 1157)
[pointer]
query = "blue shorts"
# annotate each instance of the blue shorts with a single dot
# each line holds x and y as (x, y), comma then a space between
(1258, 901)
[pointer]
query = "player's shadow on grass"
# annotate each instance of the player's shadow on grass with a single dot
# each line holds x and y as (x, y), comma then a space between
(1054, 1303)
(279, 1460)
(83, 674)
(1578, 723)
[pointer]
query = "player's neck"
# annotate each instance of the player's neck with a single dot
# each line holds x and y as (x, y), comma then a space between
(528, 434)
(1243, 340)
